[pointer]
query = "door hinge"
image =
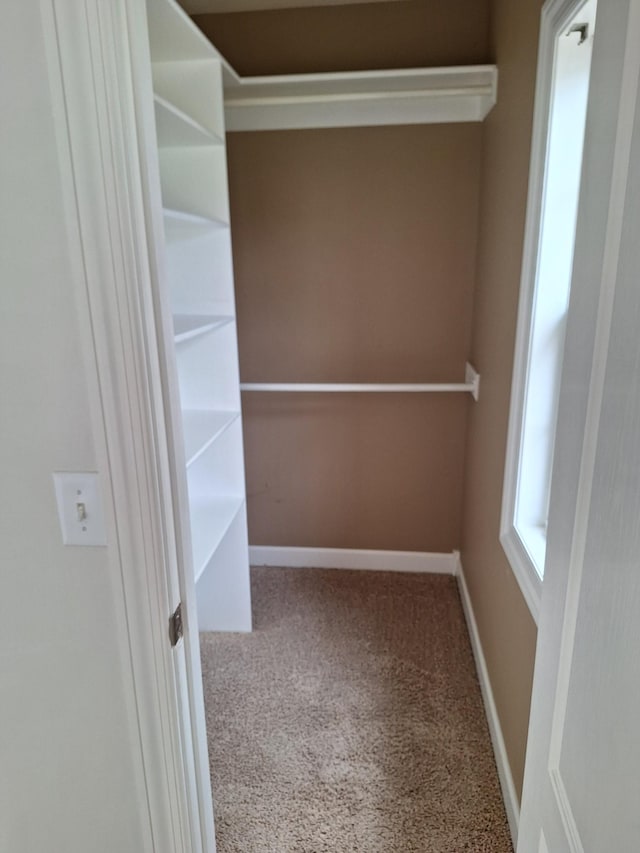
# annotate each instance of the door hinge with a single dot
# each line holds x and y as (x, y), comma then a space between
(176, 629)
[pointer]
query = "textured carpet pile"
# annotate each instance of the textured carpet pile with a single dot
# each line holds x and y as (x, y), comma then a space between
(350, 720)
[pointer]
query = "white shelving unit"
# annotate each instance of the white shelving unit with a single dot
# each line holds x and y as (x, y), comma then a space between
(191, 108)
(189, 120)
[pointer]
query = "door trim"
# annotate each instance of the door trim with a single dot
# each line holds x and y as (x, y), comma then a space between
(621, 163)
(610, 120)
(89, 46)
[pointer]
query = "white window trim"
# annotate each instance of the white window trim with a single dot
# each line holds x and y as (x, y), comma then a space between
(556, 15)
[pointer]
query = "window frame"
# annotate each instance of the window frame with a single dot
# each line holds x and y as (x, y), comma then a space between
(555, 16)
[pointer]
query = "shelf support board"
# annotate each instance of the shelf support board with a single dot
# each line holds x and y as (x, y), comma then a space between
(397, 96)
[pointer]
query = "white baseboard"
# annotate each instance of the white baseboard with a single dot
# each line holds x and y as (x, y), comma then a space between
(512, 806)
(348, 558)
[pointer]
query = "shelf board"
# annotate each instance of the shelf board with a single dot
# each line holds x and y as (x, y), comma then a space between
(210, 520)
(202, 427)
(177, 129)
(173, 36)
(188, 326)
(178, 224)
(337, 99)
(361, 98)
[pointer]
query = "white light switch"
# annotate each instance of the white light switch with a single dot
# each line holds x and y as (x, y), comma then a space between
(80, 508)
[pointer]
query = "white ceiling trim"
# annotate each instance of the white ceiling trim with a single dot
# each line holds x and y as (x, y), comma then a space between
(202, 7)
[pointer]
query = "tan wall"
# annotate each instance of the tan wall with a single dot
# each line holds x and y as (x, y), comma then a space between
(354, 252)
(316, 280)
(507, 631)
(321, 471)
(354, 257)
(345, 38)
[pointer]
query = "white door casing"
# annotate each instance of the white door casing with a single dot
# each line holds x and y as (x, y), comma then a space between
(188, 672)
(99, 77)
(582, 782)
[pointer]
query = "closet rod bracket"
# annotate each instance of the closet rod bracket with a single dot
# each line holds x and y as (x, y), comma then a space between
(472, 378)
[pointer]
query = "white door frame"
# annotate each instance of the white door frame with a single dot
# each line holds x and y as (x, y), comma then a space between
(97, 56)
(607, 160)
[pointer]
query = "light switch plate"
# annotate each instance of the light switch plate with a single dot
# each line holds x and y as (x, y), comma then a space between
(80, 508)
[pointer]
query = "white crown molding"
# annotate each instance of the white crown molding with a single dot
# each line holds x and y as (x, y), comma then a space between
(216, 7)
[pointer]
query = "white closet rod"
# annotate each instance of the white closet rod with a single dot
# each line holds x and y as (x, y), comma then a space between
(470, 385)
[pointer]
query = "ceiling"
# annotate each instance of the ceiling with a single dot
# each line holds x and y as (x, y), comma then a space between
(200, 7)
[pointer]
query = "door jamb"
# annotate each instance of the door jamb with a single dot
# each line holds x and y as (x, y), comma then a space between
(89, 47)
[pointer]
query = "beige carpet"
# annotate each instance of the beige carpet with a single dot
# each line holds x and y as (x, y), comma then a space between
(350, 720)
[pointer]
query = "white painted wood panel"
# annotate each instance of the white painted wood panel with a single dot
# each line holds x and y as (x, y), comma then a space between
(199, 268)
(200, 387)
(193, 88)
(216, 472)
(211, 518)
(176, 128)
(173, 36)
(194, 180)
(224, 597)
(202, 427)
(398, 96)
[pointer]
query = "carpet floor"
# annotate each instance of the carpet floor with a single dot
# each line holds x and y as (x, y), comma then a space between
(350, 720)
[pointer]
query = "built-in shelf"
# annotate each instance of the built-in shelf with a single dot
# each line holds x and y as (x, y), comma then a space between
(188, 76)
(173, 37)
(210, 520)
(396, 96)
(186, 99)
(179, 224)
(336, 99)
(187, 326)
(202, 427)
(175, 128)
